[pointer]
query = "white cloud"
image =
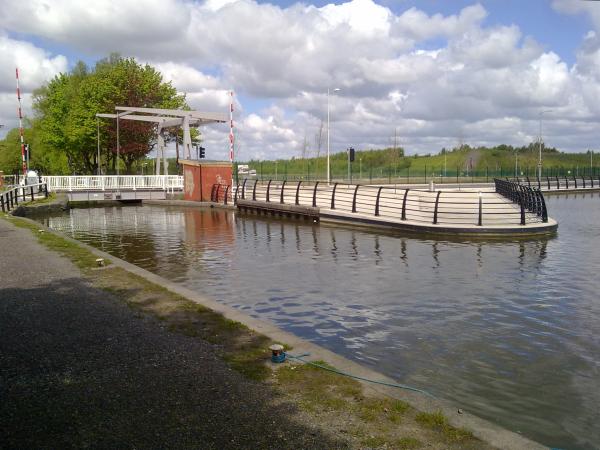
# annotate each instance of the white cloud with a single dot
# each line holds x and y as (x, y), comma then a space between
(36, 67)
(361, 16)
(487, 83)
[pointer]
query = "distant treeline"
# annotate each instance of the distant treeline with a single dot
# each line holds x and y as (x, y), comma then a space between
(504, 160)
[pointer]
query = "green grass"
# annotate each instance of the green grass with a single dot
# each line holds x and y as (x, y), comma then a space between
(389, 165)
(407, 443)
(40, 201)
(80, 256)
(327, 396)
(437, 421)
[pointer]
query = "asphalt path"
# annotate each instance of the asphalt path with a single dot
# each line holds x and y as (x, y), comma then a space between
(79, 369)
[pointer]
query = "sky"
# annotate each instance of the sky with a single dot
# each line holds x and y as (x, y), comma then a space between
(428, 74)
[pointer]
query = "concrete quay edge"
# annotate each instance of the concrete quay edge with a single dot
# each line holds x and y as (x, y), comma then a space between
(483, 429)
(519, 230)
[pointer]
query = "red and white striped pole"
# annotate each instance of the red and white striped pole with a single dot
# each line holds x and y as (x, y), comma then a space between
(21, 127)
(231, 137)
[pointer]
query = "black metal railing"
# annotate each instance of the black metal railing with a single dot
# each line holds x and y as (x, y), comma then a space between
(10, 198)
(221, 193)
(438, 207)
(551, 183)
(529, 199)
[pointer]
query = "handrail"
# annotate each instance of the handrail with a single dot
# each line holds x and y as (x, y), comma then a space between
(435, 211)
(268, 190)
(244, 189)
(10, 197)
(404, 204)
(298, 193)
(480, 217)
(354, 198)
(377, 201)
(112, 182)
(515, 204)
(282, 189)
(529, 199)
(333, 195)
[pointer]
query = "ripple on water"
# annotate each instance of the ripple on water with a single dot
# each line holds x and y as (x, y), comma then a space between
(507, 329)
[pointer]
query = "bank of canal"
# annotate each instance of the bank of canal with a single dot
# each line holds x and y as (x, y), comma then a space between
(506, 329)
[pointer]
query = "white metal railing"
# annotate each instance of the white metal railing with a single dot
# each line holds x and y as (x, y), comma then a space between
(114, 182)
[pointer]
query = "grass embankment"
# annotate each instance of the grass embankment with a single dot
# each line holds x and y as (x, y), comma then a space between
(467, 162)
(333, 402)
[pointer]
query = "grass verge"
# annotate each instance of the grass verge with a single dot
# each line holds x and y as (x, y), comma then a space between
(333, 402)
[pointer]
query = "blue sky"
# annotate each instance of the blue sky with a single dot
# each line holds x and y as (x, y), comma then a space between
(431, 71)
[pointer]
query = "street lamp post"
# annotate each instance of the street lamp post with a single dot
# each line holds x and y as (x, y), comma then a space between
(98, 155)
(540, 157)
(328, 129)
(360, 169)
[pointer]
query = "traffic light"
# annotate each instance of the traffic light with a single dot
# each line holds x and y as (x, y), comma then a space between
(202, 152)
(351, 154)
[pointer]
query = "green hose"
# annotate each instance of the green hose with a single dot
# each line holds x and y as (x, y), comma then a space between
(346, 374)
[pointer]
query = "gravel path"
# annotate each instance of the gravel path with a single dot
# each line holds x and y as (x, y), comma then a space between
(80, 369)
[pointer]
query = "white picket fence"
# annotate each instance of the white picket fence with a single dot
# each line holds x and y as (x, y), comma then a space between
(114, 182)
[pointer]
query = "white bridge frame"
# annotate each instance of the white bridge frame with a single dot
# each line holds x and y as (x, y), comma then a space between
(114, 183)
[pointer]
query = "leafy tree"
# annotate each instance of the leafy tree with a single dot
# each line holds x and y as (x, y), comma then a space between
(43, 158)
(68, 104)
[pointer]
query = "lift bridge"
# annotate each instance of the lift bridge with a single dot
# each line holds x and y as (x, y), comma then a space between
(115, 187)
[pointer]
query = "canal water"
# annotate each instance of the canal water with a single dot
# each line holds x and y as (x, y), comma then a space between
(506, 329)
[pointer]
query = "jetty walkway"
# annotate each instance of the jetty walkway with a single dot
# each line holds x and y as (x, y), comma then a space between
(80, 369)
(505, 208)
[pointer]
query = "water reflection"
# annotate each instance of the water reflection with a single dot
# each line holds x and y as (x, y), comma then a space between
(506, 329)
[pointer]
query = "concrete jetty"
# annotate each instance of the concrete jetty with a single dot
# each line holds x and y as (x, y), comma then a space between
(435, 210)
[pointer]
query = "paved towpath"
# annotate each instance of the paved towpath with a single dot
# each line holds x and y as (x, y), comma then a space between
(80, 369)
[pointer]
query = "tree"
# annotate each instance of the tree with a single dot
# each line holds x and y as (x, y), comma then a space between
(43, 159)
(67, 108)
